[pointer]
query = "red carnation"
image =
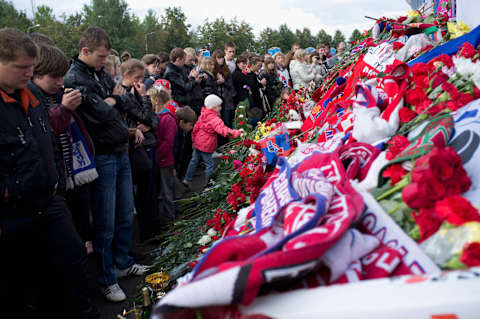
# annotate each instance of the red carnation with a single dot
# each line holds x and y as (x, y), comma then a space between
(398, 45)
(421, 69)
(450, 89)
(456, 210)
(395, 172)
(462, 99)
(423, 106)
(438, 79)
(467, 51)
(396, 145)
(443, 58)
(427, 222)
(471, 255)
(415, 96)
(476, 93)
(406, 115)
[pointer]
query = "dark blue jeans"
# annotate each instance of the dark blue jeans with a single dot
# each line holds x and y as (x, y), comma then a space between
(112, 195)
(196, 158)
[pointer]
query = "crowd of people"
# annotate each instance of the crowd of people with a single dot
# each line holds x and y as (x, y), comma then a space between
(87, 142)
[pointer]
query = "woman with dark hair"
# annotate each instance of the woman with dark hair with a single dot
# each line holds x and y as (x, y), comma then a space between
(225, 88)
(239, 77)
(274, 86)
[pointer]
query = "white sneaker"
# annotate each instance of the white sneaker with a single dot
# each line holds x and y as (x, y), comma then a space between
(135, 270)
(114, 293)
(216, 155)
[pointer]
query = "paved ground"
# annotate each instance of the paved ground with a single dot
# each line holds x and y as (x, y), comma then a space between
(129, 285)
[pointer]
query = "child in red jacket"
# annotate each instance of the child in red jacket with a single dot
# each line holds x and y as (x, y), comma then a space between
(204, 137)
(166, 131)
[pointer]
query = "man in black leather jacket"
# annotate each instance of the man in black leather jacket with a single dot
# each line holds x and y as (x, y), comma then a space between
(36, 229)
(183, 84)
(102, 109)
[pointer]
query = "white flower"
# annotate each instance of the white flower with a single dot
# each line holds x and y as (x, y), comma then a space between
(240, 116)
(211, 232)
(448, 71)
(293, 115)
(204, 240)
(466, 67)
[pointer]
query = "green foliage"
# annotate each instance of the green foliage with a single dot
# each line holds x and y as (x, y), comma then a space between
(156, 31)
(116, 19)
(268, 38)
(214, 35)
(305, 38)
(324, 37)
(356, 34)
(287, 38)
(337, 38)
(174, 30)
(10, 17)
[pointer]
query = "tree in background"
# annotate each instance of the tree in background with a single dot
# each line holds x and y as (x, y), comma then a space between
(268, 38)
(355, 35)
(116, 19)
(174, 30)
(10, 17)
(337, 38)
(287, 38)
(153, 32)
(324, 38)
(157, 32)
(214, 35)
(305, 38)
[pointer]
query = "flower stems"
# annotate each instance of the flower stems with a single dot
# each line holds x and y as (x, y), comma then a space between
(399, 186)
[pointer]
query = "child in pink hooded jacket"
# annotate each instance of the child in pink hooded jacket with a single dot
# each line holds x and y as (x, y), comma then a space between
(204, 137)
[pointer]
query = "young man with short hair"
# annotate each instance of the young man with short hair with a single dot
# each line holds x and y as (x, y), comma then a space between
(35, 223)
(102, 108)
(71, 135)
(182, 85)
(230, 56)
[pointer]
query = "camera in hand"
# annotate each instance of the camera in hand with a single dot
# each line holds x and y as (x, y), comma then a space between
(82, 89)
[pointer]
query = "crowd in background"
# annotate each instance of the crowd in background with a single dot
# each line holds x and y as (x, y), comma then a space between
(106, 134)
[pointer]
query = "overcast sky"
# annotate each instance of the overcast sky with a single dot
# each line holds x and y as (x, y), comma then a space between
(329, 15)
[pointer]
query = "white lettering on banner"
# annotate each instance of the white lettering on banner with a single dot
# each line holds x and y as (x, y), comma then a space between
(391, 235)
(337, 212)
(388, 266)
(289, 272)
(383, 261)
(313, 181)
(331, 171)
(276, 195)
(303, 216)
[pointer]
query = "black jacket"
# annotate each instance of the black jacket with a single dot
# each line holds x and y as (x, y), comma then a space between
(208, 84)
(142, 113)
(273, 88)
(255, 86)
(104, 123)
(28, 161)
(239, 82)
(182, 84)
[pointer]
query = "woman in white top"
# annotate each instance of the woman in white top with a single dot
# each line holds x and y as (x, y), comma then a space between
(300, 72)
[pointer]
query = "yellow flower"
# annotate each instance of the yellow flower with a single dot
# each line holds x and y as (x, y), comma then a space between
(257, 137)
(457, 29)
(412, 14)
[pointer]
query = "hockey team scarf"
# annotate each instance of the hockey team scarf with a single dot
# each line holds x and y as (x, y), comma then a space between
(286, 244)
(83, 169)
